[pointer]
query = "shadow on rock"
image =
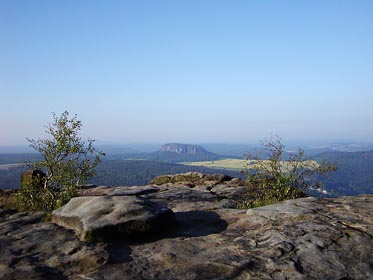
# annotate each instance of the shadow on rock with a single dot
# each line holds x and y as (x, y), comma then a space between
(198, 223)
(188, 224)
(119, 253)
(46, 272)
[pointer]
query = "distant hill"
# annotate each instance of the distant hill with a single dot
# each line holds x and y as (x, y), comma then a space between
(176, 152)
(354, 174)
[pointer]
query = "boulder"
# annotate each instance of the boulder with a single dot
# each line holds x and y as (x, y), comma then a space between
(194, 178)
(108, 217)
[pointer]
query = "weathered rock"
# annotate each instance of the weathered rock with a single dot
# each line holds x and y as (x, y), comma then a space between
(314, 238)
(301, 239)
(205, 192)
(179, 196)
(118, 191)
(105, 217)
(229, 191)
(309, 238)
(32, 249)
(183, 198)
(201, 192)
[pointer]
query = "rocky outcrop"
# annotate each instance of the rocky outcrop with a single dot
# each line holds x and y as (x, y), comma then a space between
(314, 238)
(301, 239)
(106, 217)
(193, 178)
(309, 238)
(33, 249)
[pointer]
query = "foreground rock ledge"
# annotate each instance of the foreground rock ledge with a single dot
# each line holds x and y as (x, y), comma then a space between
(307, 238)
(106, 217)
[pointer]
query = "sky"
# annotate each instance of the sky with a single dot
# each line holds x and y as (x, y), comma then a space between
(188, 71)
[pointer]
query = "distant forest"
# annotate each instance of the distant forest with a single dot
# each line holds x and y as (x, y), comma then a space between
(121, 173)
(140, 172)
(354, 174)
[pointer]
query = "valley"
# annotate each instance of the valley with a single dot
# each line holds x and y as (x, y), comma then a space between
(354, 175)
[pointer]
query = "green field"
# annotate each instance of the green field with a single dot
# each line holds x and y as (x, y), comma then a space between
(239, 164)
(232, 164)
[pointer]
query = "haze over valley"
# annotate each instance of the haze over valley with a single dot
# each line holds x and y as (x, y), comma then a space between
(134, 165)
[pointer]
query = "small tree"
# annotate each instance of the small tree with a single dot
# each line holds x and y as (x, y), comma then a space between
(68, 162)
(273, 177)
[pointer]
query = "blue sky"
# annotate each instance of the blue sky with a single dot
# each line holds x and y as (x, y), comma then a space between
(188, 71)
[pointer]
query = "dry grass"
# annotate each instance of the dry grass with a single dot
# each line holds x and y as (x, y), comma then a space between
(234, 164)
(6, 199)
(240, 164)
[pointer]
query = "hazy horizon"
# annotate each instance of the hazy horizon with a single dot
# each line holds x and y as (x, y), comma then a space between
(235, 149)
(189, 72)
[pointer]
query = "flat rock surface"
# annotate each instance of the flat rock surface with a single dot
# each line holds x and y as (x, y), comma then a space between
(298, 239)
(118, 191)
(33, 249)
(103, 217)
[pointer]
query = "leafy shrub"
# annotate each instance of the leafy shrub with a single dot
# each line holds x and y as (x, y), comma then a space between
(67, 164)
(272, 177)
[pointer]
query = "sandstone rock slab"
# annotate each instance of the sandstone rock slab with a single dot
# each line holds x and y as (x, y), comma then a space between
(299, 239)
(193, 178)
(107, 217)
(33, 249)
(118, 191)
(310, 238)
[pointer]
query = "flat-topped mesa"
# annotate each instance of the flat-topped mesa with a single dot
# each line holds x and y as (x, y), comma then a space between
(183, 148)
(175, 152)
